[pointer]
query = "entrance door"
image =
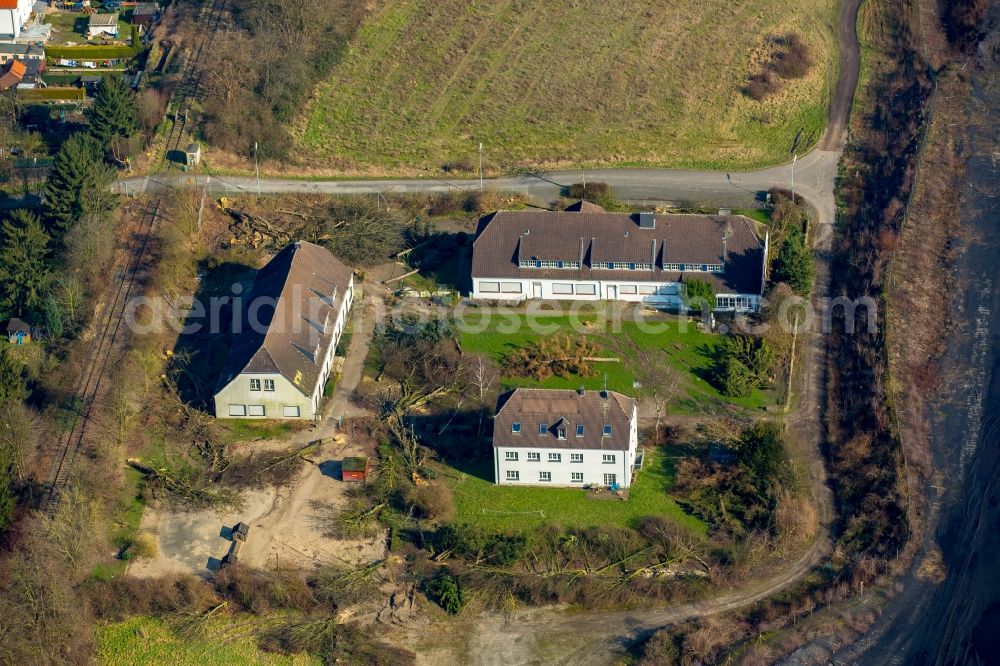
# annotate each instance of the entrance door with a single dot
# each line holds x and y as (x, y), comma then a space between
(536, 289)
(612, 292)
(610, 479)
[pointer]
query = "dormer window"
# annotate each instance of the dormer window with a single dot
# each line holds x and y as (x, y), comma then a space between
(561, 432)
(515, 427)
(607, 430)
(579, 430)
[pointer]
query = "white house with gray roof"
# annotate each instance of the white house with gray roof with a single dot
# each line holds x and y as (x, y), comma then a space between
(553, 437)
(283, 353)
(586, 253)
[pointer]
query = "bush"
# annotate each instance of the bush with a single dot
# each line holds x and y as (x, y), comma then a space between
(794, 263)
(699, 295)
(260, 591)
(598, 193)
(144, 546)
(793, 60)
(760, 86)
(963, 22)
(446, 593)
(743, 363)
(432, 500)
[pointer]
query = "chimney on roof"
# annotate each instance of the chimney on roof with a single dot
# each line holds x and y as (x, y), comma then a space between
(647, 221)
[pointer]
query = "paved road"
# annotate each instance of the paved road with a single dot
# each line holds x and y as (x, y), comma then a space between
(814, 177)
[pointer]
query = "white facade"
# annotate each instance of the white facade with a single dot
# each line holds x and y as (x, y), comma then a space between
(657, 294)
(274, 396)
(12, 19)
(549, 466)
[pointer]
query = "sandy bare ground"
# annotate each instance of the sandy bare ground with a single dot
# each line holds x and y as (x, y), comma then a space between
(286, 529)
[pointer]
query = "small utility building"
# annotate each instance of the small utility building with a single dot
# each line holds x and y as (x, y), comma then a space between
(291, 324)
(18, 332)
(355, 468)
(102, 24)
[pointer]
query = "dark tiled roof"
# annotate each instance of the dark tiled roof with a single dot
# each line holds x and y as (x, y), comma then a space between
(298, 291)
(555, 408)
(16, 325)
(588, 235)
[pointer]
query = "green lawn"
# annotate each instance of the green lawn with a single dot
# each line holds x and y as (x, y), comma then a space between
(688, 349)
(479, 501)
(550, 84)
(146, 640)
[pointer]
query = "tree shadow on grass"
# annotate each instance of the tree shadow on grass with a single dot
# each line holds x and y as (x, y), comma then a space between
(202, 348)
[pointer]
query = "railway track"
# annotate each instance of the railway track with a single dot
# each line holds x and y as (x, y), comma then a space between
(191, 81)
(108, 344)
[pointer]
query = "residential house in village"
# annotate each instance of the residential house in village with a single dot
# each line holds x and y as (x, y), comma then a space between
(294, 317)
(11, 51)
(13, 15)
(552, 437)
(586, 253)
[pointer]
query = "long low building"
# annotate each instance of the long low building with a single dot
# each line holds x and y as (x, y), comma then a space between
(293, 319)
(552, 437)
(586, 253)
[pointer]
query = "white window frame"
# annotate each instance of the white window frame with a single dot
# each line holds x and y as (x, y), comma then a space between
(534, 456)
(627, 289)
(543, 428)
(545, 476)
(562, 288)
(513, 475)
(555, 457)
(610, 479)
(576, 457)
(580, 430)
(237, 410)
(489, 287)
(254, 384)
(510, 287)
(647, 290)
(256, 410)
(515, 428)
(586, 289)
(608, 458)
(291, 411)
(608, 429)
(576, 477)
(268, 384)
(561, 432)
(510, 455)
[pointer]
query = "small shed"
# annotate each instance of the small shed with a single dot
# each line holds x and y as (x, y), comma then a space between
(355, 468)
(192, 154)
(102, 24)
(145, 13)
(18, 332)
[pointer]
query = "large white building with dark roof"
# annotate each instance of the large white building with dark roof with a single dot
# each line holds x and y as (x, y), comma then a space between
(553, 437)
(586, 253)
(293, 319)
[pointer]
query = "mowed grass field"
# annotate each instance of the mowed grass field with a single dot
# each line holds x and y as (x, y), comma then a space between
(687, 348)
(564, 83)
(478, 501)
